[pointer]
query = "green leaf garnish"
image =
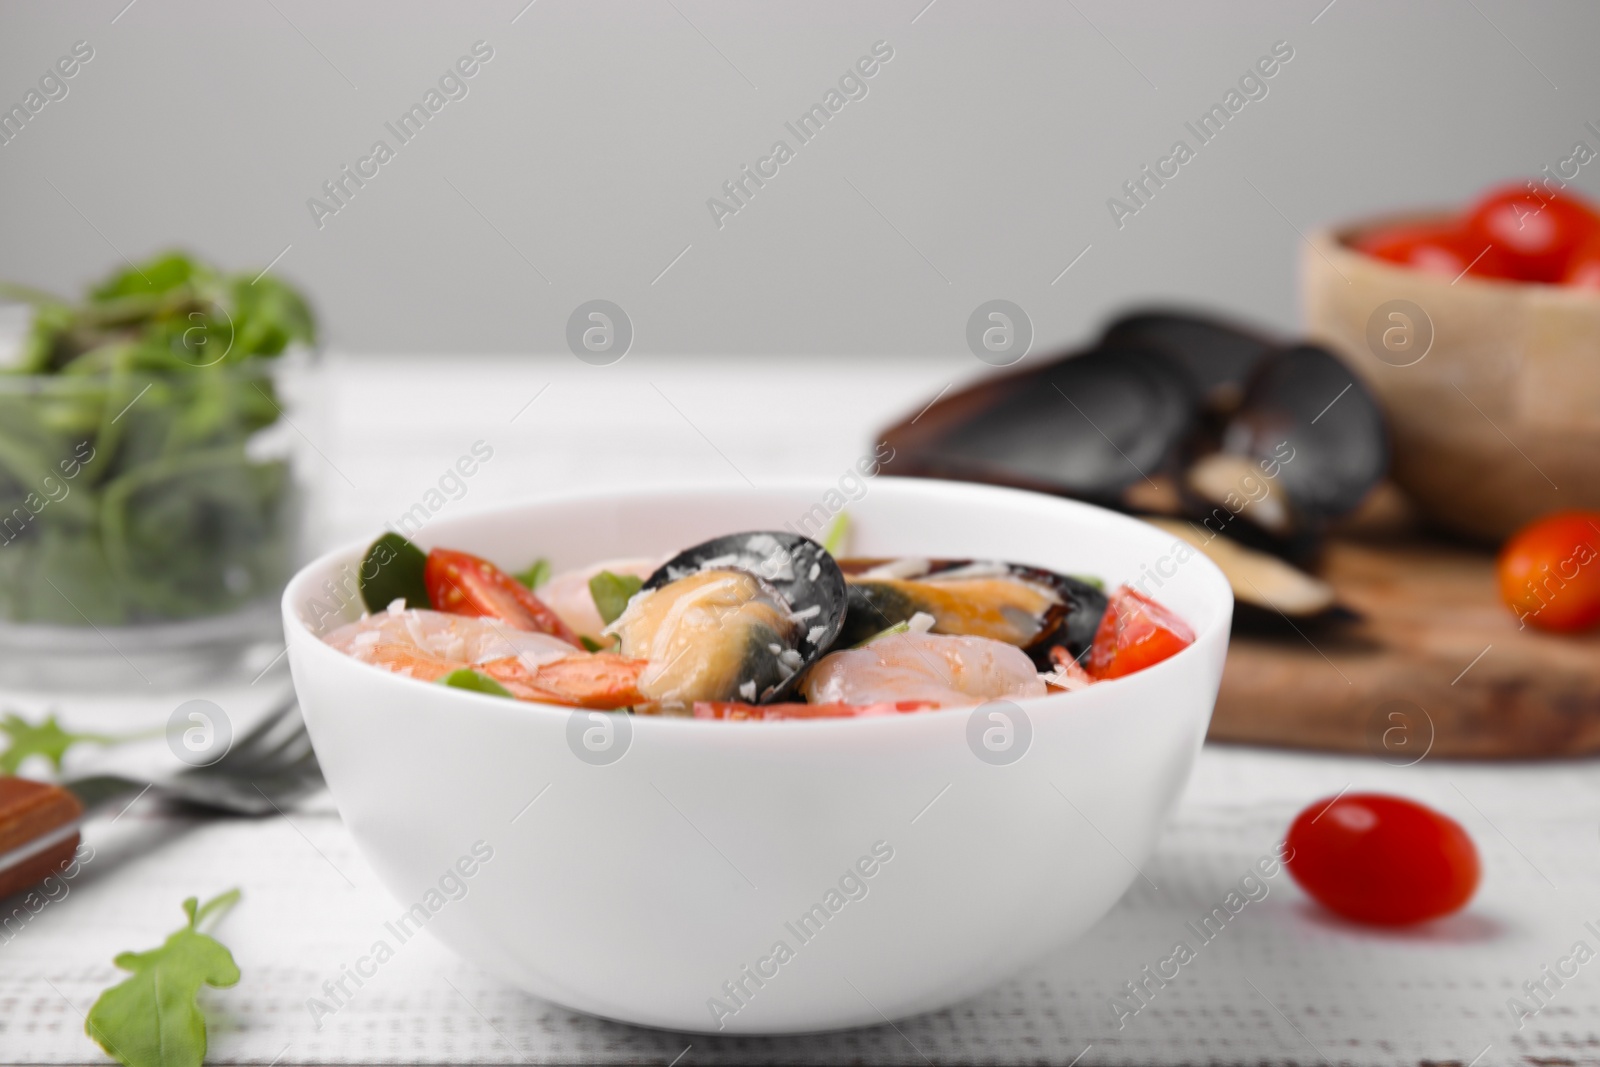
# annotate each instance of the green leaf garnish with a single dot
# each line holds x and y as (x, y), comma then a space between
(46, 739)
(1089, 579)
(611, 593)
(392, 569)
(838, 531)
(130, 456)
(903, 627)
(537, 574)
(151, 1019)
(589, 644)
(469, 679)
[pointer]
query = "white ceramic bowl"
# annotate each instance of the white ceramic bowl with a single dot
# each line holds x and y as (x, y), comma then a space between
(646, 888)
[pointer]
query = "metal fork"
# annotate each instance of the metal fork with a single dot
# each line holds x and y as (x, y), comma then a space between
(271, 765)
(268, 767)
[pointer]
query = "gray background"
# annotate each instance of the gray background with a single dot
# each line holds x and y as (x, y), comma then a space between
(978, 166)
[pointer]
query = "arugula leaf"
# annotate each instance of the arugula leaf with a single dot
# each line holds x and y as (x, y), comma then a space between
(589, 644)
(151, 1019)
(903, 627)
(467, 678)
(838, 532)
(611, 593)
(392, 569)
(162, 274)
(537, 574)
(47, 739)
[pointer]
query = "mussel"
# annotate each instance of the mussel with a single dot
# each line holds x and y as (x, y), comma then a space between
(1308, 424)
(1174, 414)
(739, 618)
(1035, 609)
(1217, 356)
(1265, 588)
(1091, 426)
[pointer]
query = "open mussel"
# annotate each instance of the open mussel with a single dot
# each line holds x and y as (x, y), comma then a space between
(1035, 609)
(1308, 442)
(736, 618)
(1266, 589)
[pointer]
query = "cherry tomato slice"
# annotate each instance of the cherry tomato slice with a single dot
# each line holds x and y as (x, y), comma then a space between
(738, 711)
(1583, 266)
(1537, 229)
(1382, 859)
(1550, 571)
(1437, 248)
(463, 584)
(1135, 633)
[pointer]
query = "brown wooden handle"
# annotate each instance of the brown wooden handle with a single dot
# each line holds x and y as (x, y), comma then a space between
(38, 834)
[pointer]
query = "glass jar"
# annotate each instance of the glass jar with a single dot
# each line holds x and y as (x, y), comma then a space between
(148, 524)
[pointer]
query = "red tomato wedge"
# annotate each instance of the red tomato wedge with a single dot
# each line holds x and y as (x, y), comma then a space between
(1135, 633)
(1437, 248)
(1538, 230)
(1382, 859)
(734, 710)
(462, 584)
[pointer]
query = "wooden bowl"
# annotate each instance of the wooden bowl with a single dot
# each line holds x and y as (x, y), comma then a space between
(1492, 387)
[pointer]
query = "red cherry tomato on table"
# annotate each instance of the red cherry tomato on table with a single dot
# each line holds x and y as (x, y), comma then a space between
(1537, 231)
(1436, 248)
(1135, 633)
(463, 584)
(1550, 571)
(1381, 859)
(1583, 266)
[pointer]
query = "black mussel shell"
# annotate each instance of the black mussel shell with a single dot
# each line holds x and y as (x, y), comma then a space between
(1217, 355)
(1087, 426)
(875, 606)
(1174, 414)
(1307, 428)
(1086, 607)
(1269, 593)
(797, 568)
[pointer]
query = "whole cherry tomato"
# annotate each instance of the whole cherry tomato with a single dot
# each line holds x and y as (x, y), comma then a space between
(1134, 633)
(1444, 248)
(1382, 859)
(1583, 266)
(463, 584)
(1550, 571)
(1536, 229)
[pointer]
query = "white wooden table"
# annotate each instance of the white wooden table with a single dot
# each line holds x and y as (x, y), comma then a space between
(1283, 982)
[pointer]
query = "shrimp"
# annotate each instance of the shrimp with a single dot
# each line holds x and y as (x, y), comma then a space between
(567, 594)
(945, 670)
(428, 645)
(465, 639)
(603, 681)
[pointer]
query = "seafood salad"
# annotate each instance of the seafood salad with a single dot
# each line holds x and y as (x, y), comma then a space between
(762, 625)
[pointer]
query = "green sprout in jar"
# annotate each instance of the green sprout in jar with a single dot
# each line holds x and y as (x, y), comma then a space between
(129, 487)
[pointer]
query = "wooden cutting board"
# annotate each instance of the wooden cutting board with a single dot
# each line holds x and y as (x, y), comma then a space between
(1436, 666)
